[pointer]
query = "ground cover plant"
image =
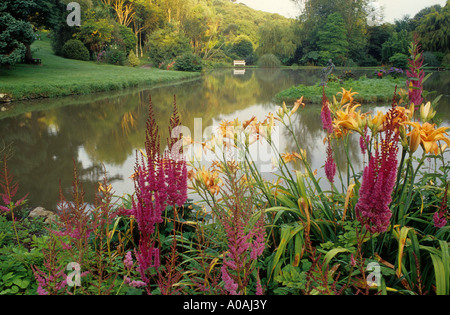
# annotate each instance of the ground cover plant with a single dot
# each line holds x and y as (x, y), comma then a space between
(370, 90)
(380, 231)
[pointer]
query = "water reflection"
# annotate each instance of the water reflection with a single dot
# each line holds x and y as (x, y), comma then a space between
(107, 128)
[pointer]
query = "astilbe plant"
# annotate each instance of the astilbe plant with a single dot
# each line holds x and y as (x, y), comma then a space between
(245, 239)
(9, 190)
(379, 178)
(160, 181)
(416, 74)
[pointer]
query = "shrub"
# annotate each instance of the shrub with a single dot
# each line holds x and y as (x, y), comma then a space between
(133, 60)
(399, 60)
(126, 38)
(430, 59)
(269, 61)
(75, 49)
(446, 61)
(115, 56)
(189, 62)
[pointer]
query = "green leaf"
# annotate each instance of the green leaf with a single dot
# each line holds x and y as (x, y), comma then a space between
(332, 253)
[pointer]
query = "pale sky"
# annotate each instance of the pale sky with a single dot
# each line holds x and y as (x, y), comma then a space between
(394, 9)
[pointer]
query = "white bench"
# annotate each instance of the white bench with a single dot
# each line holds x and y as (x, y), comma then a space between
(239, 63)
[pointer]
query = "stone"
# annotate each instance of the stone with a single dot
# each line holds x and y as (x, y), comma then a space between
(40, 212)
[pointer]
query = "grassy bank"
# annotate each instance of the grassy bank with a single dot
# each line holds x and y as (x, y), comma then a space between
(370, 90)
(58, 76)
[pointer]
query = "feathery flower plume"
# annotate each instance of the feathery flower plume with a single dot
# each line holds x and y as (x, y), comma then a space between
(415, 73)
(330, 166)
(160, 181)
(325, 115)
(440, 216)
(379, 177)
(246, 241)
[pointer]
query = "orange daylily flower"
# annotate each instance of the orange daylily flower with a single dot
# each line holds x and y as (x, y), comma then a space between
(347, 96)
(289, 157)
(210, 180)
(350, 119)
(429, 136)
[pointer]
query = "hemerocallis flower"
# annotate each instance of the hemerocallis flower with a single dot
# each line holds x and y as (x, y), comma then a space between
(347, 96)
(414, 140)
(296, 106)
(350, 119)
(210, 180)
(289, 157)
(430, 135)
(375, 123)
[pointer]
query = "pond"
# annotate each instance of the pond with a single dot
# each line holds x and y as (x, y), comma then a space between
(103, 131)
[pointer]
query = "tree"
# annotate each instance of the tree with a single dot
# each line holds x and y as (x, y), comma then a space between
(377, 36)
(277, 38)
(353, 12)
(434, 30)
(13, 34)
(398, 43)
(333, 38)
(242, 47)
(96, 33)
(166, 44)
(19, 16)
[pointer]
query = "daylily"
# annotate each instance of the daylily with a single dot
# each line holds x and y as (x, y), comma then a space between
(296, 106)
(350, 119)
(289, 157)
(375, 123)
(211, 180)
(426, 112)
(347, 96)
(429, 136)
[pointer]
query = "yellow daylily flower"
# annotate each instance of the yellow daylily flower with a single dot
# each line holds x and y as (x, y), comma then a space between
(350, 119)
(347, 96)
(375, 123)
(429, 136)
(289, 157)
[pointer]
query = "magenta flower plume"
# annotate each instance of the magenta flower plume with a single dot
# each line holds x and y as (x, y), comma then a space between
(440, 216)
(246, 240)
(330, 166)
(378, 181)
(160, 181)
(325, 115)
(415, 74)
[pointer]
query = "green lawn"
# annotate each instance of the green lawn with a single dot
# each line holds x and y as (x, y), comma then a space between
(58, 76)
(369, 90)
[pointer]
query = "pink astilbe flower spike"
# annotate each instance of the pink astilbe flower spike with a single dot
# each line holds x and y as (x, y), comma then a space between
(160, 181)
(440, 216)
(330, 166)
(415, 74)
(378, 181)
(325, 114)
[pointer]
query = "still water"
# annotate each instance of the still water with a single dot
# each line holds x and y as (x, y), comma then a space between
(103, 131)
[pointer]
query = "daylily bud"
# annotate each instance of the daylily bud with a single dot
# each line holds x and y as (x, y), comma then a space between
(414, 140)
(426, 112)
